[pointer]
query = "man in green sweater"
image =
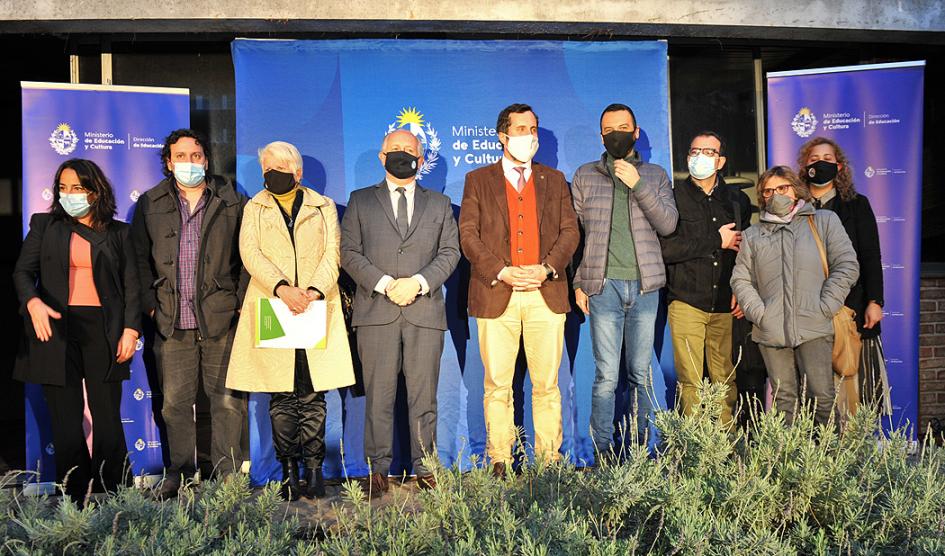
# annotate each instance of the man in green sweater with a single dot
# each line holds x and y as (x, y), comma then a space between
(622, 204)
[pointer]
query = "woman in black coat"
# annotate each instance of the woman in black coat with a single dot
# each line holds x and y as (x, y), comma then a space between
(78, 287)
(825, 168)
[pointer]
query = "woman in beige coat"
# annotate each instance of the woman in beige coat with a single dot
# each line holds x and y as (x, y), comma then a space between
(290, 246)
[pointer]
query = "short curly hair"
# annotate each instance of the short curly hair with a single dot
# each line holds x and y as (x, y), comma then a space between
(176, 136)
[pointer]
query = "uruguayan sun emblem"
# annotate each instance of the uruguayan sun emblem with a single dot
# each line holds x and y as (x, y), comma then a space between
(63, 139)
(412, 120)
(804, 123)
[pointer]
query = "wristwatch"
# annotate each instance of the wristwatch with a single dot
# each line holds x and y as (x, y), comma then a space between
(550, 272)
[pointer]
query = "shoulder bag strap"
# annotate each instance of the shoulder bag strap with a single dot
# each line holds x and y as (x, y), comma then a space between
(820, 245)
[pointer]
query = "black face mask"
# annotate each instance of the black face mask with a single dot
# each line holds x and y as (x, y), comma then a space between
(401, 164)
(821, 172)
(279, 182)
(619, 143)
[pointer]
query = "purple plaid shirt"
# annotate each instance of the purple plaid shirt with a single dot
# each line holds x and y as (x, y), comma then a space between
(190, 225)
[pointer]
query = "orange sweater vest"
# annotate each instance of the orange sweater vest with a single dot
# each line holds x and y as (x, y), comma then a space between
(523, 223)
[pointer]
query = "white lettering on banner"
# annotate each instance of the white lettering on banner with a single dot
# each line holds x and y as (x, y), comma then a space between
(839, 120)
(135, 142)
(882, 119)
(884, 219)
(483, 151)
(484, 158)
(101, 141)
(484, 144)
(104, 141)
(473, 131)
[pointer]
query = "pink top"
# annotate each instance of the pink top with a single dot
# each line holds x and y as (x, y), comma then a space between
(82, 290)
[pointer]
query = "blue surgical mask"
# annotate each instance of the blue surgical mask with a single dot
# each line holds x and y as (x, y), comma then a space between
(701, 166)
(76, 205)
(189, 174)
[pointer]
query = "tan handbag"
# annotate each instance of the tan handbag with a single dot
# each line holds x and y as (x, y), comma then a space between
(846, 338)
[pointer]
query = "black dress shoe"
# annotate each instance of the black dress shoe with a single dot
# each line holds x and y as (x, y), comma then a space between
(378, 485)
(426, 482)
(606, 458)
(290, 489)
(498, 470)
(170, 487)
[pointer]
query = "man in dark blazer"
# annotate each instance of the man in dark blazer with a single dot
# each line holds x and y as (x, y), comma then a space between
(518, 230)
(399, 243)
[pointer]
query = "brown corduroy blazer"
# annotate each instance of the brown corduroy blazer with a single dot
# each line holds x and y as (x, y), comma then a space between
(484, 236)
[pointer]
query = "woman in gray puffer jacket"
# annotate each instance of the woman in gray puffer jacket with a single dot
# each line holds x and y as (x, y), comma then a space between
(779, 284)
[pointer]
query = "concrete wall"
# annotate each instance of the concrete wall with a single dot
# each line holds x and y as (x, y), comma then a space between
(890, 15)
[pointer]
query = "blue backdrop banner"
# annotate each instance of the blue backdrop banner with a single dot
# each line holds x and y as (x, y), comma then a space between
(122, 129)
(335, 100)
(874, 112)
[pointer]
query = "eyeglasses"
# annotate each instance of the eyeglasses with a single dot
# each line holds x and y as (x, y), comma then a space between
(708, 151)
(769, 191)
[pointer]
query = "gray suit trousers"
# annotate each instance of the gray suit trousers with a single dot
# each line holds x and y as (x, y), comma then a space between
(385, 351)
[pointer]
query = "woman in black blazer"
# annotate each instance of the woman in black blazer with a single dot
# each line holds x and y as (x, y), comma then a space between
(825, 168)
(78, 287)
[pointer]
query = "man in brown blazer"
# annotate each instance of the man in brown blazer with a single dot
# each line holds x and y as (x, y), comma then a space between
(518, 229)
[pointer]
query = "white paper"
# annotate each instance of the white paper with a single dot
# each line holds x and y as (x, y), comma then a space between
(303, 331)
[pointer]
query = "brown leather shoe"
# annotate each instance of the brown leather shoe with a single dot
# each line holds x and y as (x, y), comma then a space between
(378, 485)
(498, 470)
(426, 482)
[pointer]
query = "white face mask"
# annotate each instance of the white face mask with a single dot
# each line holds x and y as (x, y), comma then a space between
(701, 166)
(523, 147)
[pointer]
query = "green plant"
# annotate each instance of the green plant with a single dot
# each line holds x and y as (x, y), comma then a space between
(772, 490)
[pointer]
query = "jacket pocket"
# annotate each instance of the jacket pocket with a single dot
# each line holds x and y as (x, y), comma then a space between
(219, 301)
(224, 283)
(812, 318)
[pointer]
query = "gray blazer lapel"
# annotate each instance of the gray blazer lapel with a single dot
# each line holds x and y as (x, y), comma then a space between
(383, 197)
(419, 204)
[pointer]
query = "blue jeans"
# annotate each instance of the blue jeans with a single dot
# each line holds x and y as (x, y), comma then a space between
(622, 316)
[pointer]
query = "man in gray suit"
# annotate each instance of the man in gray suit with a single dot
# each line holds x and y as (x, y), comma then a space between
(399, 243)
